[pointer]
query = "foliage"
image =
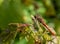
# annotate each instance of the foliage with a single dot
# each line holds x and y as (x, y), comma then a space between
(24, 22)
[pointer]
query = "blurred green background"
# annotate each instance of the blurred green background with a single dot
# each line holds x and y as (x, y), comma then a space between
(20, 11)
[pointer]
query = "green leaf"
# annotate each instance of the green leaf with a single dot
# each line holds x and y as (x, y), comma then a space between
(22, 41)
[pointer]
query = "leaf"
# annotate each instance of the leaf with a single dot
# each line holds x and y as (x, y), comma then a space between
(22, 41)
